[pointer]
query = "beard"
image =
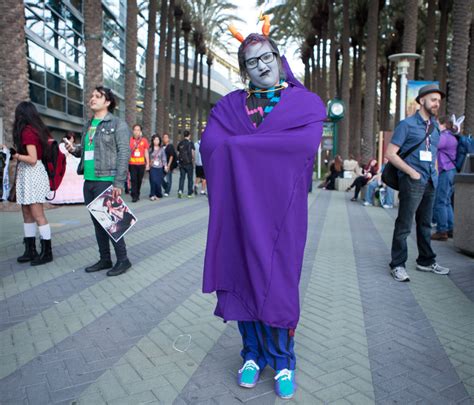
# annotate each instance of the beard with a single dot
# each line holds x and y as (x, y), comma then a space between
(432, 111)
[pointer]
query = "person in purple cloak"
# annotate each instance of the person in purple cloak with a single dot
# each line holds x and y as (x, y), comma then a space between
(258, 151)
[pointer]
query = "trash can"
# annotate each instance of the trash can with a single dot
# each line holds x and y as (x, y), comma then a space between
(463, 237)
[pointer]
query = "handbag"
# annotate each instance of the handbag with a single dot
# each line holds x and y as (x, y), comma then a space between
(390, 172)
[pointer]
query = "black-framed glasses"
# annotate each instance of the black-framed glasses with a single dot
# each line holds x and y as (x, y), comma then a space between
(266, 58)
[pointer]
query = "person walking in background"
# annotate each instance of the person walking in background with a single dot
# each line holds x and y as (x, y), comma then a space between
(186, 156)
(139, 161)
(417, 182)
(172, 163)
(158, 167)
(368, 173)
(200, 176)
(443, 209)
(31, 138)
(102, 167)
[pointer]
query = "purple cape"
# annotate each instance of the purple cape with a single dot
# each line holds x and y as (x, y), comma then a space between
(258, 181)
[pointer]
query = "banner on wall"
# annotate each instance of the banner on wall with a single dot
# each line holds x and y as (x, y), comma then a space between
(413, 88)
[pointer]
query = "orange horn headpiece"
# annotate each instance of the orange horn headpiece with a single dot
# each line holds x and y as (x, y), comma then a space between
(236, 34)
(266, 23)
(265, 28)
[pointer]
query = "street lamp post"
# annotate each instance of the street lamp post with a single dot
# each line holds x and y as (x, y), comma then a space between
(403, 63)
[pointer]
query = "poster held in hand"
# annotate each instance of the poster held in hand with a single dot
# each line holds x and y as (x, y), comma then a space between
(112, 214)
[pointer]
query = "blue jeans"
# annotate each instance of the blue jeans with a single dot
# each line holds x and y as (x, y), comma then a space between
(443, 210)
(156, 178)
(416, 201)
(369, 195)
(167, 182)
(388, 196)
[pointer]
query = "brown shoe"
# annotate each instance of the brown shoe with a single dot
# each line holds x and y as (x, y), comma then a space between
(440, 236)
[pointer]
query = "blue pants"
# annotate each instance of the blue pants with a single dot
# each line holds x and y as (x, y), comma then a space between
(443, 209)
(156, 178)
(370, 194)
(267, 345)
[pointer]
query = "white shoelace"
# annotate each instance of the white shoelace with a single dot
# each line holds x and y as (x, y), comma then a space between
(249, 364)
(285, 374)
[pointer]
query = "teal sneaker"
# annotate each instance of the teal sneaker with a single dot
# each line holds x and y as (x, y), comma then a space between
(248, 374)
(285, 383)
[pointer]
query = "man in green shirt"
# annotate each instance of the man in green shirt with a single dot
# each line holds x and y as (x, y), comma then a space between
(104, 154)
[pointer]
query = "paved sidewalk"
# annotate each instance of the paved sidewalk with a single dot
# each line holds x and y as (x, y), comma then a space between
(149, 336)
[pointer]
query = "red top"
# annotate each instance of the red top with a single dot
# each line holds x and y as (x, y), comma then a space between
(138, 148)
(30, 136)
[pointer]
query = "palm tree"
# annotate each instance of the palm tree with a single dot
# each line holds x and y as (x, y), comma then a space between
(169, 57)
(332, 51)
(202, 52)
(343, 141)
(462, 18)
(149, 67)
(209, 61)
(186, 30)
(441, 67)
(93, 45)
(430, 27)
(370, 99)
(160, 74)
(178, 14)
(410, 32)
(198, 43)
(469, 123)
(131, 63)
(13, 44)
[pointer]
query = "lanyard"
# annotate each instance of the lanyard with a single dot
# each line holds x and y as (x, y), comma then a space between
(137, 144)
(92, 132)
(429, 130)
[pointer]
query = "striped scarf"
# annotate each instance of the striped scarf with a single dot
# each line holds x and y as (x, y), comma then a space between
(259, 105)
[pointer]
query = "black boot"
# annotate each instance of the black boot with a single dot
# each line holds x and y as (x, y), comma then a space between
(119, 268)
(30, 250)
(46, 254)
(100, 265)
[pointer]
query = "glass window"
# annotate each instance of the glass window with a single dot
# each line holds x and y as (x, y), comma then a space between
(37, 94)
(55, 83)
(56, 102)
(35, 52)
(74, 92)
(73, 76)
(34, 22)
(74, 108)
(36, 73)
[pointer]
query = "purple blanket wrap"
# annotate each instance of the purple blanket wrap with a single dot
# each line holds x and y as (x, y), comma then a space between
(258, 181)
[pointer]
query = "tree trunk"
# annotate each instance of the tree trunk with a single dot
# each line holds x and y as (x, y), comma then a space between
(184, 108)
(332, 53)
(93, 44)
(177, 66)
(410, 32)
(389, 97)
(343, 142)
(356, 104)
(430, 40)
(313, 71)
(307, 74)
(201, 95)
(150, 69)
(131, 64)
(370, 99)
(209, 72)
(317, 88)
(193, 94)
(462, 18)
(441, 66)
(324, 76)
(469, 123)
(160, 74)
(14, 68)
(169, 57)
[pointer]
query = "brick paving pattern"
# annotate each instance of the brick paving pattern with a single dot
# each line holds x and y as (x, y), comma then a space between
(150, 337)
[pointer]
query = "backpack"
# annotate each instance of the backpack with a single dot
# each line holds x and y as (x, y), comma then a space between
(55, 165)
(185, 154)
(465, 146)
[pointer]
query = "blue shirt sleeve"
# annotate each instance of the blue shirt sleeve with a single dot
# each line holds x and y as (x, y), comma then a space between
(400, 135)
